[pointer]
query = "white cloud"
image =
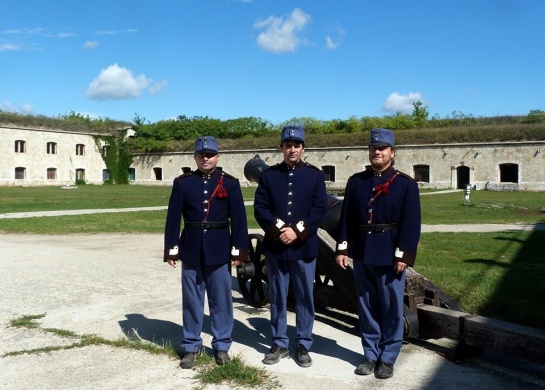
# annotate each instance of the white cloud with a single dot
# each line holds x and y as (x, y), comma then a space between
(23, 108)
(282, 35)
(401, 103)
(117, 83)
(155, 88)
(90, 44)
(333, 40)
(62, 35)
(9, 47)
(114, 32)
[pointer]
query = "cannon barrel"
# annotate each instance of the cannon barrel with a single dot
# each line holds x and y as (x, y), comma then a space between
(256, 165)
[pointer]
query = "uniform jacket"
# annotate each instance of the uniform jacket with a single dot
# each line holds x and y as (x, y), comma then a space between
(191, 201)
(398, 203)
(294, 197)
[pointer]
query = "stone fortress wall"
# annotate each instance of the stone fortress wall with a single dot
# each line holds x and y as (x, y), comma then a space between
(507, 166)
(499, 166)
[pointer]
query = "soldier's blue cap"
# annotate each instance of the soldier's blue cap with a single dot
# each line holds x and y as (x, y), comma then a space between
(382, 137)
(206, 144)
(292, 132)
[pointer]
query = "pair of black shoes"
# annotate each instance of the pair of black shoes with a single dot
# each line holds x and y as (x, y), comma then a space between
(188, 361)
(384, 370)
(302, 358)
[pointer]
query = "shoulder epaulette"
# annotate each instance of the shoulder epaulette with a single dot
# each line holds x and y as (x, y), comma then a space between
(312, 166)
(402, 174)
(186, 174)
(228, 175)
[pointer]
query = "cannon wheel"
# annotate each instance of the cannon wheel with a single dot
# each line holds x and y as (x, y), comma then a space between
(255, 289)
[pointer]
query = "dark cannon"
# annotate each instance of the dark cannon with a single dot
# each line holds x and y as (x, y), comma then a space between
(428, 310)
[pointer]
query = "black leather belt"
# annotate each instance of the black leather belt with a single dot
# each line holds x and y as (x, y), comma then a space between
(206, 225)
(378, 227)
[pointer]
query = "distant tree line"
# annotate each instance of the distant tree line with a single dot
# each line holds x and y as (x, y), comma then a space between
(250, 132)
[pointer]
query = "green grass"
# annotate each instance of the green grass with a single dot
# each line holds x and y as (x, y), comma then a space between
(492, 274)
(484, 207)
(497, 275)
(235, 373)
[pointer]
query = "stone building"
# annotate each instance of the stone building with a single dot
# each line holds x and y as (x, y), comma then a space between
(32, 157)
(497, 166)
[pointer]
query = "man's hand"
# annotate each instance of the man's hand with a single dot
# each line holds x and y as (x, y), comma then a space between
(172, 262)
(287, 236)
(342, 261)
(399, 266)
(237, 263)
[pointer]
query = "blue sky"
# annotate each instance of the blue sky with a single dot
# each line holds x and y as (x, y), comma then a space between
(273, 59)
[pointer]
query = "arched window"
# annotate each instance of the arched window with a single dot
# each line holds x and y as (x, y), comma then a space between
(20, 173)
(51, 173)
(80, 174)
(80, 150)
(509, 173)
(20, 146)
(51, 148)
(422, 173)
(329, 172)
(158, 173)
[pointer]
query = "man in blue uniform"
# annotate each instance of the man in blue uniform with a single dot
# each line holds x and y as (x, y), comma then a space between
(215, 233)
(290, 204)
(379, 229)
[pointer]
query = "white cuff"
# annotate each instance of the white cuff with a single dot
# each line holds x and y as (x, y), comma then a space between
(173, 251)
(300, 226)
(398, 253)
(342, 246)
(279, 223)
(235, 251)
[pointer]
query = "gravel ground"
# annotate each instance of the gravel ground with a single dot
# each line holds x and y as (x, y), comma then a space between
(116, 285)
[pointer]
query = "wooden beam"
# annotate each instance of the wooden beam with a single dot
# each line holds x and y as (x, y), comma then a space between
(512, 339)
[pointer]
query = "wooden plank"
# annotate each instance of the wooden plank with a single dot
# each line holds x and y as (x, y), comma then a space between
(436, 321)
(481, 332)
(517, 340)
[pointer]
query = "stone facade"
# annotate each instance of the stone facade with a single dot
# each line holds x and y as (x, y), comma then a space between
(31, 157)
(496, 166)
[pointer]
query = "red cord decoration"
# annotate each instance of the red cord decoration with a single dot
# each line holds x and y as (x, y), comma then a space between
(219, 192)
(381, 189)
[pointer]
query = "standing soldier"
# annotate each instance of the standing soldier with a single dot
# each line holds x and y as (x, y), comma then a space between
(379, 229)
(290, 204)
(209, 201)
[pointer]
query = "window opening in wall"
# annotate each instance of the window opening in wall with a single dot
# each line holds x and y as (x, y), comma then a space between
(462, 176)
(80, 150)
(509, 173)
(422, 173)
(186, 169)
(51, 173)
(329, 172)
(132, 174)
(20, 173)
(80, 175)
(20, 146)
(105, 174)
(158, 173)
(51, 148)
